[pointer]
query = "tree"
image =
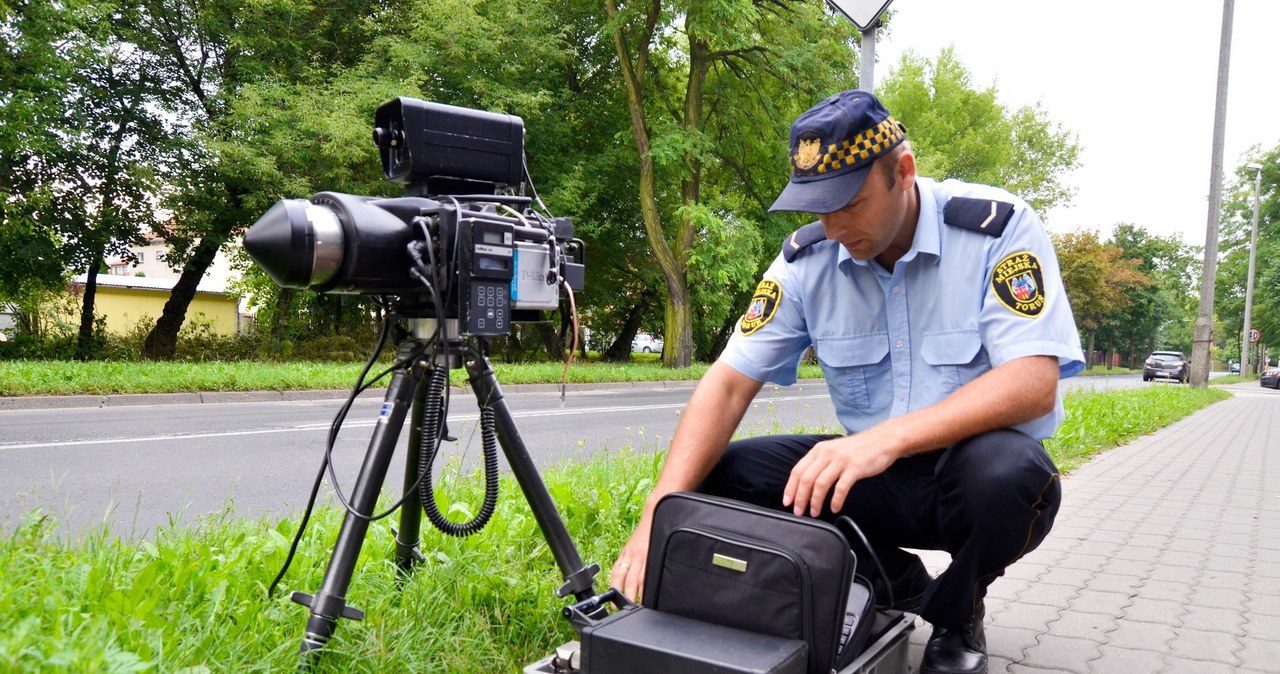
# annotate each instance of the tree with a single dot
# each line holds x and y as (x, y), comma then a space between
(1099, 280)
(681, 66)
(1237, 222)
(958, 131)
(37, 60)
(1161, 314)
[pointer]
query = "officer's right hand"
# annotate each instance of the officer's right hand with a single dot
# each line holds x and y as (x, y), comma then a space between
(627, 573)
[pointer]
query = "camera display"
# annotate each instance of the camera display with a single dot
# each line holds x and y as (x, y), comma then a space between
(454, 247)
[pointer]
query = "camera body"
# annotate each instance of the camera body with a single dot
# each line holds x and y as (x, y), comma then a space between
(475, 255)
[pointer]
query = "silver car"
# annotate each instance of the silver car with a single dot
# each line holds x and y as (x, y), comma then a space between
(1166, 365)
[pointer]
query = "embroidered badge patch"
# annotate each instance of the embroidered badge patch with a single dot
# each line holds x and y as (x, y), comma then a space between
(764, 304)
(808, 152)
(1019, 283)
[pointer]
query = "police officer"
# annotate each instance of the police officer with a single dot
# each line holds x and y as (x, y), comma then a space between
(938, 315)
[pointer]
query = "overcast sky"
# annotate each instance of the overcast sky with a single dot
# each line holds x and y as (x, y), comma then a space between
(1136, 80)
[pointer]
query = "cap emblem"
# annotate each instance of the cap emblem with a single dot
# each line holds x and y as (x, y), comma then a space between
(808, 152)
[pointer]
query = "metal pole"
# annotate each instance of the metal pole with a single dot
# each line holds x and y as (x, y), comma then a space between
(867, 76)
(1253, 254)
(1203, 336)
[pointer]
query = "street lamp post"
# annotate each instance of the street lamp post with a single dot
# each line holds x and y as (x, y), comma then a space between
(1253, 254)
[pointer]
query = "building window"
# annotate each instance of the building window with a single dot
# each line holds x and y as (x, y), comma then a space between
(142, 257)
(160, 256)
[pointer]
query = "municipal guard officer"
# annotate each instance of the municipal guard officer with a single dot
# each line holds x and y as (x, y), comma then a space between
(938, 315)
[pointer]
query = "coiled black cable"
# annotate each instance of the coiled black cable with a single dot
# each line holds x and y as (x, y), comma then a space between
(432, 423)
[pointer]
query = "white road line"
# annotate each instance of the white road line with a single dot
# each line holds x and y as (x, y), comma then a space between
(368, 424)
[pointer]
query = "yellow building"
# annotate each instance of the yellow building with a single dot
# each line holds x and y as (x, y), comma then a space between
(124, 300)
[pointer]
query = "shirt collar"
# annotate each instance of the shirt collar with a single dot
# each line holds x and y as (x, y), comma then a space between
(928, 238)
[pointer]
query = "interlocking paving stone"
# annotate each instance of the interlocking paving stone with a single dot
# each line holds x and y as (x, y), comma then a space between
(1219, 597)
(1191, 666)
(1261, 626)
(1005, 588)
(1052, 652)
(1027, 616)
(1107, 603)
(1058, 596)
(1222, 579)
(1127, 661)
(1260, 654)
(1077, 625)
(1265, 604)
(1165, 590)
(1154, 611)
(1213, 619)
(1203, 645)
(1010, 642)
(1131, 634)
(1114, 582)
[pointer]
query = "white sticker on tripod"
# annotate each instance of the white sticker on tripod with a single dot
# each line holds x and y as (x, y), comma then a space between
(386, 410)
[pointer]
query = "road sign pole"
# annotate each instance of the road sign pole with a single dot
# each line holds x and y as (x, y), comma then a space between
(867, 76)
(865, 14)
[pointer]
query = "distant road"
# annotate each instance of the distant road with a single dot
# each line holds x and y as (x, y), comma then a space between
(138, 467)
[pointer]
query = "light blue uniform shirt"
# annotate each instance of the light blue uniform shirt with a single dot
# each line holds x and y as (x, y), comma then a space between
(890, 343)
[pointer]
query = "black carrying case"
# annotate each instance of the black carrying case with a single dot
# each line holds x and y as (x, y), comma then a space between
(763, 571)
(637, 640)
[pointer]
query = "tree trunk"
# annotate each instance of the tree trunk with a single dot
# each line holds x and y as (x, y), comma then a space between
(678, 345)
(162, 341)
(620, 350)
(284, 297)
(1089, 357)
(84, 341)
(551, 342)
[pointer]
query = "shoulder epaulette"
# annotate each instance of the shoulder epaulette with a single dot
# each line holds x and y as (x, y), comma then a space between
(981, 215)
(803, 238)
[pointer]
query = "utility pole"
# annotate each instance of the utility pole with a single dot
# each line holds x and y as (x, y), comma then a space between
(1247, 337)
(1202, 338)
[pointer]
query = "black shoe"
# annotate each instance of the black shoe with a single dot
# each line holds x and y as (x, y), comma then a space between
(908, 588)
(960, 650)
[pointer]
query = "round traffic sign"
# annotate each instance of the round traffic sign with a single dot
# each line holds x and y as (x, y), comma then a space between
(1254, 335)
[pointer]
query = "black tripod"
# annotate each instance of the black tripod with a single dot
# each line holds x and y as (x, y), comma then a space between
(423, 356)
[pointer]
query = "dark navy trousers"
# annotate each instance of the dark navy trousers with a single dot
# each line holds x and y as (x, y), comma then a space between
(987, 501)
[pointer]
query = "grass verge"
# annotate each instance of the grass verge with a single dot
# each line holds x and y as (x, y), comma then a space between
(193, 599)
(30, 378)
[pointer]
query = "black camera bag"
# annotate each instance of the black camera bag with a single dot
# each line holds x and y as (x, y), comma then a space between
(764, 571)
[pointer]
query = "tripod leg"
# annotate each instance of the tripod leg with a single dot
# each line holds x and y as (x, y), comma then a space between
(578, 577)
(407, 538)
(329, 603)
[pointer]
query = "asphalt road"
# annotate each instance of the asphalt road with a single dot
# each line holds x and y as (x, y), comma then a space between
(136, 467)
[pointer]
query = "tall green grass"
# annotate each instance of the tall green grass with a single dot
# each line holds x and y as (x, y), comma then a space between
(27, 378)
(193, 599)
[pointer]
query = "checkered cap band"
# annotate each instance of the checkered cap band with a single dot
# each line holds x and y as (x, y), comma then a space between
(855, 151)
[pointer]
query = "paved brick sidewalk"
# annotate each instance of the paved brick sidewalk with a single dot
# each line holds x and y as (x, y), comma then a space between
(1165, 557)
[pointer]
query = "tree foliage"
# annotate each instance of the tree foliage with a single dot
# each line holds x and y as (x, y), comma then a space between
(710, 88)
(960, 131)
(1099, 278)
(1236, 227)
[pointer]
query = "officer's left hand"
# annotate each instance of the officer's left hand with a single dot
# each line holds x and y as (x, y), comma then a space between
(834, 466)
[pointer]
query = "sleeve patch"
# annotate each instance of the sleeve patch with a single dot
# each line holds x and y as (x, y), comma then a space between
(764, 304)
(980, 215)
(1019, 283)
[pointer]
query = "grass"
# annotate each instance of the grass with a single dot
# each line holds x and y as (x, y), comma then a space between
(1100, 420)
(30, 378)
(193, 599)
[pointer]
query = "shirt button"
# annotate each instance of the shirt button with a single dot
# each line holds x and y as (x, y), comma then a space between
(898, 344)
(897, 290)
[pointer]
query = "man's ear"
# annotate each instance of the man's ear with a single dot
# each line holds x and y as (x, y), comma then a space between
(906, 170)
